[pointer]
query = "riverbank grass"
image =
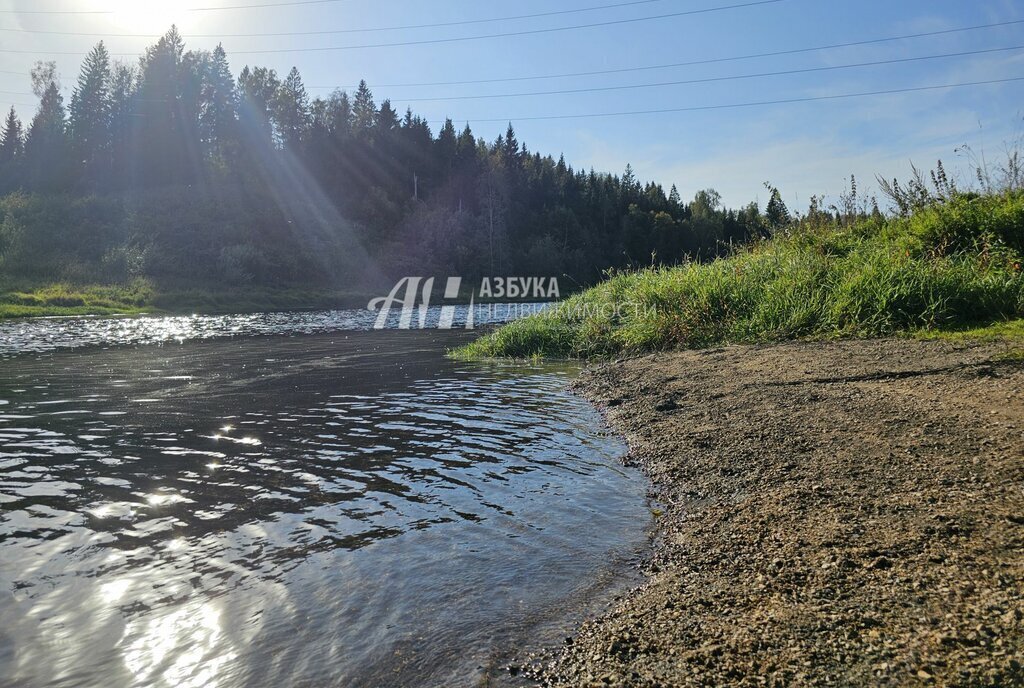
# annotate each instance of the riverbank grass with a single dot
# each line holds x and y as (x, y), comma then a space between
(948, 267)
(66, 299)
(141, 296)
(1010, 332)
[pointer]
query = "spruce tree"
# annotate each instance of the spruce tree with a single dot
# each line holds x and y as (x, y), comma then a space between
(164, 156)
(47, 152)
(179, 118)
(219, 104)
(291, 109)
(387, 118)
(364, 112)
(340, 115)
(446, 146)
(11, 139)
(257, 88)
(510, 146)
(89, 121)
(776, 212)
(123, 122)
(630, 186)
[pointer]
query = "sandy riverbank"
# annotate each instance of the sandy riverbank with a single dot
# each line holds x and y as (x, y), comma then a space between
(832, 513)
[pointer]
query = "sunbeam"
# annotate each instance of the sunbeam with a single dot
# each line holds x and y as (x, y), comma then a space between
(151, 16)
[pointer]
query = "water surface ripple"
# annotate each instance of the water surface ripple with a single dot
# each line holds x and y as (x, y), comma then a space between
(35, 335)
(324, 509)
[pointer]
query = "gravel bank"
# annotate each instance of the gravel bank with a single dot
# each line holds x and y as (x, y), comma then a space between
(830, 514)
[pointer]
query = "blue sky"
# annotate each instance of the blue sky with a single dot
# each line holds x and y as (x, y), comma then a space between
(803, 148)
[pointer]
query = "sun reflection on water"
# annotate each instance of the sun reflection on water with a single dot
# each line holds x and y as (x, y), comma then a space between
(186, 647)
(114, 591)
(327, 528)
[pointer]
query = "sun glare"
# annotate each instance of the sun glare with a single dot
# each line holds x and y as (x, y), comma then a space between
(145, 16)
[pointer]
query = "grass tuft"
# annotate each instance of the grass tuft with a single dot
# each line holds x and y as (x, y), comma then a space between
(66, 299)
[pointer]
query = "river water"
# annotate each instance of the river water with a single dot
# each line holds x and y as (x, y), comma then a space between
(293, 500)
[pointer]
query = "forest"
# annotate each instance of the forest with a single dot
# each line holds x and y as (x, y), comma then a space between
(174, 171)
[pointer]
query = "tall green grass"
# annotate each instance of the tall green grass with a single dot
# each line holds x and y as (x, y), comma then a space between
(949, 265)
(67, 299)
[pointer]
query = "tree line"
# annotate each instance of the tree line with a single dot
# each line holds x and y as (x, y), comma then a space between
(172, 168)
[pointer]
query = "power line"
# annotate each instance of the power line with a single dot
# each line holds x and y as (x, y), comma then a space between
(714, 78)
(715, 60)
(698, 108)
(747, 104)
(732, 77)
(725, 106)
(691, 63)
(340, 31)
(525, 32)
(187, 9)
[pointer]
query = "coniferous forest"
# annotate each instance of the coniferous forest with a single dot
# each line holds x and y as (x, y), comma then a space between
(173, 170)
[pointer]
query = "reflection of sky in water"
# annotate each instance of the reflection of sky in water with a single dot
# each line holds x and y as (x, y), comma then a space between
(350, 510)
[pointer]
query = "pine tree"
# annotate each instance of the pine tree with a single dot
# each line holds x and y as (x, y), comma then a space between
(89, 121)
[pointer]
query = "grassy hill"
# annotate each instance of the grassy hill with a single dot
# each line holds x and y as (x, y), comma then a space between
(952, 264)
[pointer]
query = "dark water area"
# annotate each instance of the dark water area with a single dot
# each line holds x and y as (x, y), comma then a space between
(344, 508)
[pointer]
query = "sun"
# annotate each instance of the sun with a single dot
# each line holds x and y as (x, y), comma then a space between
(145, 16)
